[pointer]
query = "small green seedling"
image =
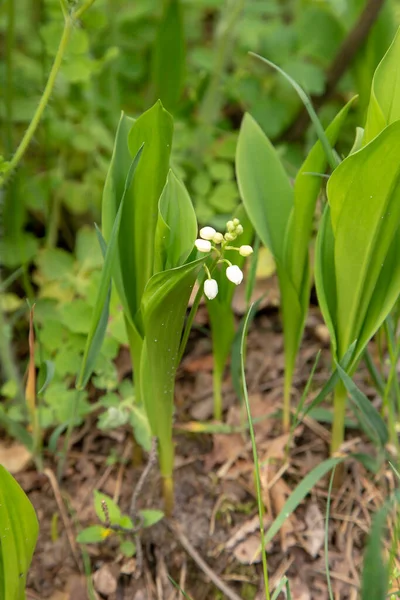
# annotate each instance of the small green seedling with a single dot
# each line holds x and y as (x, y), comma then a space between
(117, 524)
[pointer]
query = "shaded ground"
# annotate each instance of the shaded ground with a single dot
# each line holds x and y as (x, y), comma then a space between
(215, 509)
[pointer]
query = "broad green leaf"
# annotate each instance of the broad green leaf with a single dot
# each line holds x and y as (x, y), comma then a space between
(384, 104)
(151, 517)
(18, 534)
(93, 534)
(140, 214)
(114, 512)
(48, 368)
(99, 320)
(365, 411)
(325, 278)
(113, 192)
(264, 186)
(140, 426)
(176, 226)
(364, 190)
(169, 55)
(307, 187)
(164, 304)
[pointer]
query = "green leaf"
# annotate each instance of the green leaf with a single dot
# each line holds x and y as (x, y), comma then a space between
(141, 427)
(169, 55)
(384, 104)
(365, 411)
(325, 278)
(139, 219)
(113, 509)
(93, 534)
(364, 189)
(128, 548)
(18, 534)
(176, 226)
(100, 314)
(151, 517)
(375, 574)
(264, 186)
(164, 307)
(49, 370)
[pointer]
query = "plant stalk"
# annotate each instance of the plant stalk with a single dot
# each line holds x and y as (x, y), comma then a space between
(168, 494)
(26, 140)
(217, 388)
(339, 413)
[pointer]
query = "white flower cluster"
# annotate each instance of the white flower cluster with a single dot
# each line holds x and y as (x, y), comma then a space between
(208, 240)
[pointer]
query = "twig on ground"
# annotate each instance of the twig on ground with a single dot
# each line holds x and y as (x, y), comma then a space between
(343, 59)
(217, 581)
(64, 516)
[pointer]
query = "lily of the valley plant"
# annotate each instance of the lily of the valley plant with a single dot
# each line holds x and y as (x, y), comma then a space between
(158, 260)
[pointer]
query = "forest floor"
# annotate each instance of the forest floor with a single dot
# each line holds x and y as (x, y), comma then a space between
(215, 519)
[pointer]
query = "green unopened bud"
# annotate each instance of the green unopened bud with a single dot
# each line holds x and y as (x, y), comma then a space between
(239, 230)
(218, 238)
(230, 237)
(230, 226)
(236, 222)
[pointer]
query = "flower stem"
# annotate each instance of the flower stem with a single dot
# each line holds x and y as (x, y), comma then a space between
(287, 388)
(66, 34)
(43, 101)
(168, 494)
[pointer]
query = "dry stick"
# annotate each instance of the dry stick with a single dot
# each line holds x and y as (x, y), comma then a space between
(64, 516)
(221, 585)
(347, 51)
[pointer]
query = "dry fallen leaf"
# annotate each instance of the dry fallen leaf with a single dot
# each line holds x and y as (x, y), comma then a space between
(315, 534)
(246, 541)
(14, 458)
(104, 581)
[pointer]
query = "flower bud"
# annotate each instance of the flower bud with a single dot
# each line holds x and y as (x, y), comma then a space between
(236, 222)
(239, 230)
(207, 233)
(210, 288)
(203, 245)
(218, 238)
(230, 237)
(234, 274)
(245, 250)
(230, 226)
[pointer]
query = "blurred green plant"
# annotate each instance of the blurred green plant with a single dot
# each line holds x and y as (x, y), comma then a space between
(18, 534)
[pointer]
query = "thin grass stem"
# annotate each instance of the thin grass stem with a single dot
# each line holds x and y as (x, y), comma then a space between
(255, 455)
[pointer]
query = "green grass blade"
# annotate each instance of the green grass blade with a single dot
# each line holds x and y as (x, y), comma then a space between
(254, 448)
(364, 410)
(100, 312)
(326, 545)
(300, 493)
(330, 155)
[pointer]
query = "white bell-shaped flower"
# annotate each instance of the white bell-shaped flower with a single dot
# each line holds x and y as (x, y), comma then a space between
(234, 274)
(207, 233)
(203, 245)
(245, 250)
(210, 288)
